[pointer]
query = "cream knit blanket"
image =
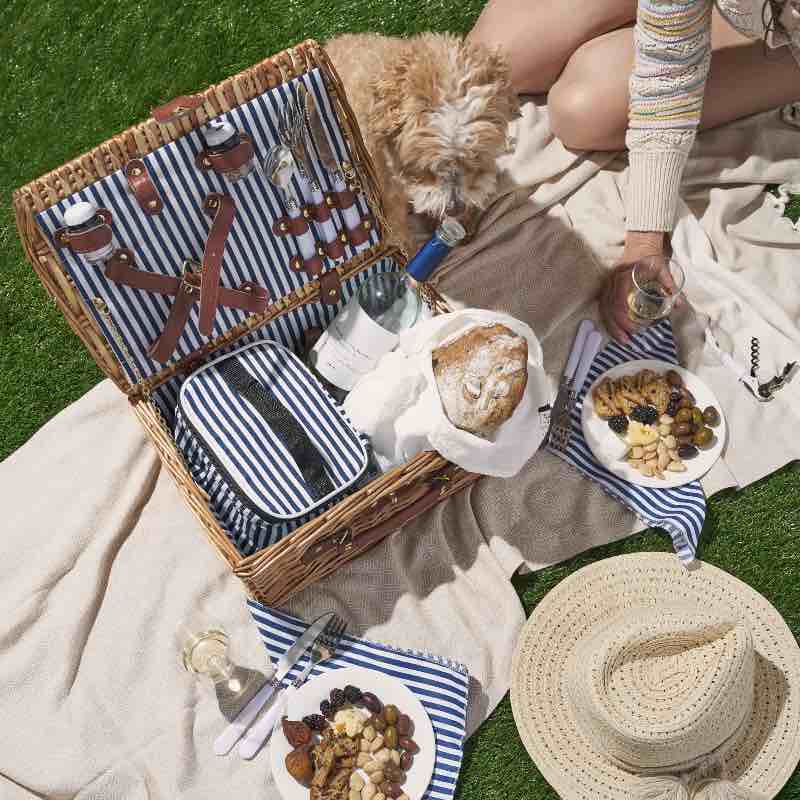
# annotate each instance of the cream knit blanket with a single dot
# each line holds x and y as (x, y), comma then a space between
(100, 557)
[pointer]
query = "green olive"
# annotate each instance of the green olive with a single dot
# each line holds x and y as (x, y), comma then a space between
(683, 415)
(697, 416)
(390, 713)
(703, 437)
(377, 722)
(390, 737)
(711, 416)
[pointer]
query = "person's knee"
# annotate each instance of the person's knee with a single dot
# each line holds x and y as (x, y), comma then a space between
(579, 117)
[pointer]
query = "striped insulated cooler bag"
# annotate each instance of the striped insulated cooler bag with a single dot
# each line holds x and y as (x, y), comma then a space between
(266, 442)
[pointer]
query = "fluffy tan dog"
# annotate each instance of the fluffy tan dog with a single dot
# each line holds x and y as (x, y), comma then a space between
(434, 111)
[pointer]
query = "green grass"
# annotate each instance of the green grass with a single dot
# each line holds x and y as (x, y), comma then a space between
(78, 72)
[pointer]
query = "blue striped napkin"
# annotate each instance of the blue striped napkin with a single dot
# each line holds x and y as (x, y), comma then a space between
(441, 685)
(681, 511)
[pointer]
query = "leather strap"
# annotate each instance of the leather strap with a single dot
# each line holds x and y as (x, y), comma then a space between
(360, 233)
(142, 187)
(119, 268)
(177, 108)
(88, 240)
(319, 212)
(342, 199)
(335, 249)
(330, 287)
(283, 226)
(427, 496)
(222, 210)
(228, 160)
(165, 345)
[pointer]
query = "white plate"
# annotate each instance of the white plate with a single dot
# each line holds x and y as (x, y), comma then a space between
(390, 691)
(598, 435)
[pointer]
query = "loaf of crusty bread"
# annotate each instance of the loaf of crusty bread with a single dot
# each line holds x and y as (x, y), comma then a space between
(481, 377)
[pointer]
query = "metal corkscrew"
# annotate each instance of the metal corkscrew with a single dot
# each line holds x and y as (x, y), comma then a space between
(764, 392)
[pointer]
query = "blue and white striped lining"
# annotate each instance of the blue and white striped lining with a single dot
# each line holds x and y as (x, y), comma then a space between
(680, 511)
(441, 685)
(215, 426)
(162, 242)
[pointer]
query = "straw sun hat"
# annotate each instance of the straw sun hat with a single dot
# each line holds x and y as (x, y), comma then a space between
(637, 679)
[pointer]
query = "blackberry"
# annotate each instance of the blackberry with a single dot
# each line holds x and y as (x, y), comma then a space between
(338, 698)
(316, 722)
(647, 415)
(618, 423)
(326, 709)
(353, 694)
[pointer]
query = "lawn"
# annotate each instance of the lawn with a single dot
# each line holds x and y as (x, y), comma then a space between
(78, 72)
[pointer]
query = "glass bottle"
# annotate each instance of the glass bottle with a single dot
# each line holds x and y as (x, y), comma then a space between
(220, 137)
(369, 326)
(81, 217)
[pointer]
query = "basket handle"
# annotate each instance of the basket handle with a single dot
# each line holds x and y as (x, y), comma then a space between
(423, 496)
(176, 108)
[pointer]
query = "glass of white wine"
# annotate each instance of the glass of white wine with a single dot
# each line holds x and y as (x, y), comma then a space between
(204, 649)
(657, 284)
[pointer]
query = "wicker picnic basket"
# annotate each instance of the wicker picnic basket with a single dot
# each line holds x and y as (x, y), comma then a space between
(361, 519)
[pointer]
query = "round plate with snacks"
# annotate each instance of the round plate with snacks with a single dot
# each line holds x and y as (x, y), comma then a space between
(653, 424)
(353, 734)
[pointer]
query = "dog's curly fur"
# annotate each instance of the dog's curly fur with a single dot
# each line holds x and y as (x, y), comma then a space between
(434, 111)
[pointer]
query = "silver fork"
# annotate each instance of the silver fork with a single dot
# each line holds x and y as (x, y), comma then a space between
(324, 648)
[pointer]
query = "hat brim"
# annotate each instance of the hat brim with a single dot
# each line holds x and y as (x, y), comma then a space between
(768, 749)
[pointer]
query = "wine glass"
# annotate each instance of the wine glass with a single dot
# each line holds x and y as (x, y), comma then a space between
(203, 646)
(652, 295)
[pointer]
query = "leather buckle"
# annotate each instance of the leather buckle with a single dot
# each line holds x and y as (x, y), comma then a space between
(191, 276)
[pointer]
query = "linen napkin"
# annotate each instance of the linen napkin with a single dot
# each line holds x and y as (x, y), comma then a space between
(680, 511)
(441, 685)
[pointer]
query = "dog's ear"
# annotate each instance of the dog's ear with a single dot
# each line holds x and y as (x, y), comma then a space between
(486, 66)
(385, 118)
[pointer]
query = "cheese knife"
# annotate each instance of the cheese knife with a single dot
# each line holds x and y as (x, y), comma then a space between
(225, 742)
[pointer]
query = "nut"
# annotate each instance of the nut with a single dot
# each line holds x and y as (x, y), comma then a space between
(376, 744)
(376, 777)
(364, 745)
(369, 791)
(356, 781)
(382, 756)
(671, 442)
(665, 430)
(368, 733)
(355, 794)
(363, 759)
(372, 766)
(395, 755)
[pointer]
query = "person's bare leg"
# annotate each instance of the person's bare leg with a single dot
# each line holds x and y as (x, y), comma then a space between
(589, 102)
(539, 36)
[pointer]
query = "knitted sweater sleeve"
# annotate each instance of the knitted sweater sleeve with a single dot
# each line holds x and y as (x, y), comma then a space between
(673, 52)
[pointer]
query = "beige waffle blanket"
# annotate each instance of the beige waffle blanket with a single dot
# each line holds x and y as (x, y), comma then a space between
(99, 557)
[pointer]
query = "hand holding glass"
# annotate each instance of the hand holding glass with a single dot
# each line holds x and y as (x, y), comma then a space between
(656, 286)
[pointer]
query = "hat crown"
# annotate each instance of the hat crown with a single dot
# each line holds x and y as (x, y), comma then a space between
(661, 688)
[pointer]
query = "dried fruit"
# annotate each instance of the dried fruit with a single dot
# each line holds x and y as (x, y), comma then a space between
(316, 722)
(393, 790)
(296, 733)
(406, 760)
(687, 451)
(711, 416)
(618, 423)
(353, 694)
(337, 698)
(371, 703)
(405, 727)
(327, 710)
(299, 766)
(647, 415)
(673, 379)
(409, 745)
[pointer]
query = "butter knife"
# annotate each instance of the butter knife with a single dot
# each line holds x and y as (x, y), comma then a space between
(319, 137)
(225, 742)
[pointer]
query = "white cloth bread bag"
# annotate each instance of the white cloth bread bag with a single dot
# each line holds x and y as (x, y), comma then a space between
(398, 406)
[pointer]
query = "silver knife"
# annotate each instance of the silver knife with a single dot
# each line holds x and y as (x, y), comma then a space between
(319, 137)
(225, 742)
(565, 386)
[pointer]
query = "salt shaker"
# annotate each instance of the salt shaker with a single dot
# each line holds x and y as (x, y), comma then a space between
(228, 151)
(88, 232)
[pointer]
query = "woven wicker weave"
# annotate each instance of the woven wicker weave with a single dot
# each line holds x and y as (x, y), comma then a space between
(275, 573)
